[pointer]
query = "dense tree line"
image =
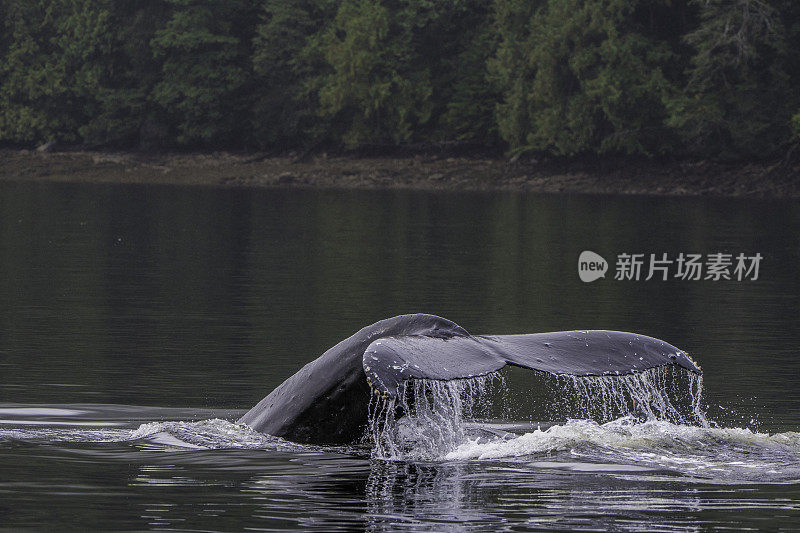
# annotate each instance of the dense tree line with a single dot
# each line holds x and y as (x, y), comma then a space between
(714, 78)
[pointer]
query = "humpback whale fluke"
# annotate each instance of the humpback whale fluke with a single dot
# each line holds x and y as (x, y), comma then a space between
(327, 400)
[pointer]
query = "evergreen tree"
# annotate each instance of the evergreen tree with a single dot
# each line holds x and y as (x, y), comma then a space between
(738, 98)
(511, 68)
(377, 91)
(288, 63)
(56, 60)
(790, 10)
(409, 71)
(127, 115)
(456, 45)
(466, 88)
(560, 77)
(581, 76)
(204, 50)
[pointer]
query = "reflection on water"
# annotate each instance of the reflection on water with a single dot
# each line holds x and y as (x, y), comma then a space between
(115, 300)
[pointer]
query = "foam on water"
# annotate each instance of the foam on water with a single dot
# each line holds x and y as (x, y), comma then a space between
(650, 424)
(205, 434)
(660, 427)
(703, 453)
(624, 434)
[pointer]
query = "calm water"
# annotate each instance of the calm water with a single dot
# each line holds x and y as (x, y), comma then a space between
(137, 322)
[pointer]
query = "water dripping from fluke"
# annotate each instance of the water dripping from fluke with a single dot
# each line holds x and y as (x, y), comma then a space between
(663, 393)
(429, 419)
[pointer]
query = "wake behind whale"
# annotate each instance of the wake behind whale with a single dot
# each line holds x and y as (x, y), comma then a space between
(626, 446)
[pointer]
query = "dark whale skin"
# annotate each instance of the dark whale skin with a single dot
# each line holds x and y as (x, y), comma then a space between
(326, 402)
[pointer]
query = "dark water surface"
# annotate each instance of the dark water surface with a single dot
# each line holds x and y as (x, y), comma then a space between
(137, 322)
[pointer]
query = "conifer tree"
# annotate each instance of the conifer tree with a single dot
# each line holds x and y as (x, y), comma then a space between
(204, 50)
(378, 90)
(738, 97)
(288, 63)
(56, 58)
(127, 115)
(581, 76)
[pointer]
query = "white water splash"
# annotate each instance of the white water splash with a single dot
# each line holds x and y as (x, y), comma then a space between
(204, 434)
(428, 419)
(704, 453)
(431, 419)
(661, 393)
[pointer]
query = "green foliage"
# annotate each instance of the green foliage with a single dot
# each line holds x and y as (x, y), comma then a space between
(127, 115)
(465, 95)
(409, 71)
(377, 89)
(205, 69)
(288, 63)
(716, 78)
(55, 62)
(511, 69)
(580, 76)
(735, 100)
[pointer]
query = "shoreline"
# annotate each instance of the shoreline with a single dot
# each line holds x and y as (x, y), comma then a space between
(770, 179)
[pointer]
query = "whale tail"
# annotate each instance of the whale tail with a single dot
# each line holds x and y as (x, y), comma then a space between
(389, 361)
(327, 400)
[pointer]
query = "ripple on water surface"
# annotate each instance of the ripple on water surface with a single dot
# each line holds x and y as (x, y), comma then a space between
(567, 476)
(624, 445)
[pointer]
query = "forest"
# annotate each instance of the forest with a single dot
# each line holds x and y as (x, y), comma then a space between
(690, 78)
